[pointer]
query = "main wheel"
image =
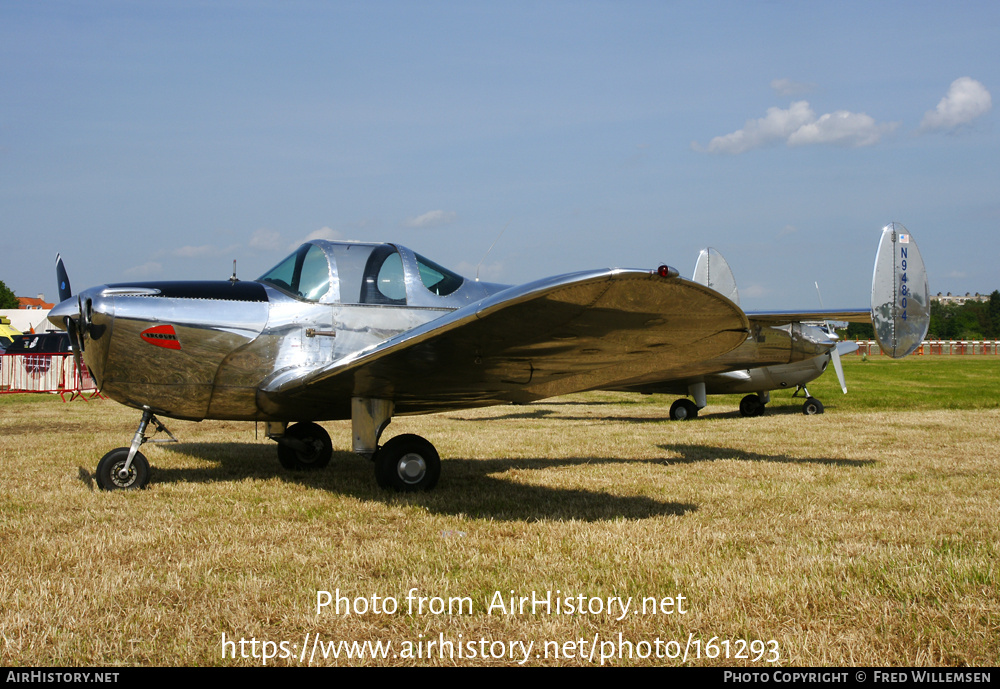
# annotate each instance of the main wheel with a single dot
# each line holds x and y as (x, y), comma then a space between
(310, 447)
(812, 406)
(683, 409)
(407, 463)
(751, 406)
(110, 473)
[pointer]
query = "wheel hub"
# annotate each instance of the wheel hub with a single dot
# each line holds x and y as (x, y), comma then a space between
(411, 468)
(122, 477)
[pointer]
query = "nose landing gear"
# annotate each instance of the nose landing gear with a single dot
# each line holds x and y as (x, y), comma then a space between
(125, 468)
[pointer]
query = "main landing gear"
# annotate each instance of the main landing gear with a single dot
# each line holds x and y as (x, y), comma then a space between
(304, 446)
(406, 463)
(753, 405)
(683, 410)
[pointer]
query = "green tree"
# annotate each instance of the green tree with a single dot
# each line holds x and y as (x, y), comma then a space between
(994, 315)
(7, 298)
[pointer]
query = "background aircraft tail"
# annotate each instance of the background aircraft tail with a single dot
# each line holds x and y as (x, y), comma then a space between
(901, 309)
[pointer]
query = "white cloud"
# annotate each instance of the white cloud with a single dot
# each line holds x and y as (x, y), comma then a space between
(787, 87)
(431, 219)
(776, 126)
(966, 100)
(147, 269)
(841, 128)
(799, 126)
(266, 240)
(325, 233)
(755, 291)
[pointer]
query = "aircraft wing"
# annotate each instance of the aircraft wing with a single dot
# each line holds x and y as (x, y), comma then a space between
(551, 337)
(785, 317)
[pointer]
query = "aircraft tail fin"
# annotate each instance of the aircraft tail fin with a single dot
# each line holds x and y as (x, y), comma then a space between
(714, 272)
(900, 299)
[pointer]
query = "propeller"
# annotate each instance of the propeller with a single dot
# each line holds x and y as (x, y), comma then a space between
(835, 352)
(71, 324)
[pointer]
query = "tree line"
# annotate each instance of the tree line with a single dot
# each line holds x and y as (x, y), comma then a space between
(973, 320)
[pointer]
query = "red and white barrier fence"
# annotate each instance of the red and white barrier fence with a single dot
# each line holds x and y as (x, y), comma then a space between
(45, 373)
(945, 347)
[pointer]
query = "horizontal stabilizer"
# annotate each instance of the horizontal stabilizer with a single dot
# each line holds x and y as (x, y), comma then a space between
(900, 299)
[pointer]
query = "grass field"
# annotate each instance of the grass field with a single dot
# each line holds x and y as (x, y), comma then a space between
(865, 536)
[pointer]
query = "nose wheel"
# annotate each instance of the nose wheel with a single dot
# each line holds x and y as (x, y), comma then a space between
(812, 406)
(115, 472)
(125, 468)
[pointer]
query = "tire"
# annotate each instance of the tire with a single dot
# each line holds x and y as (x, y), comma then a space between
(812, 406)
(107, 471)
(751, 406)
(406, 464)
(317, 451)
(683, 410)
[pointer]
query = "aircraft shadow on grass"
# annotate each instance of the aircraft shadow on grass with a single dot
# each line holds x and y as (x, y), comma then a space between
(543, 413)
(690, 454)
(476, 489)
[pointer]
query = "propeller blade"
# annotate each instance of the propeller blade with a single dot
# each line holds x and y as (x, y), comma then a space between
(77, 342)
(838, 367)
(65, 291)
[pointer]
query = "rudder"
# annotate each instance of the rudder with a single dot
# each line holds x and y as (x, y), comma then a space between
(900, 298)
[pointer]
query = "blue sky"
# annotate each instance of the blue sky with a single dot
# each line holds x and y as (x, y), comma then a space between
(163, 140)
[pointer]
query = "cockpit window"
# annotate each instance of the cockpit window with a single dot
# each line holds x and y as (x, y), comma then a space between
(304, 274)
(438, 280)
(384, 281)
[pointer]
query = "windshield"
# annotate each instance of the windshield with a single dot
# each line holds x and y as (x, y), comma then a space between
(438, 280)
(304, 274)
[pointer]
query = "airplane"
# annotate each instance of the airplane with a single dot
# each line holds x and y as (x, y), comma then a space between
(366, 332)
(756, 378)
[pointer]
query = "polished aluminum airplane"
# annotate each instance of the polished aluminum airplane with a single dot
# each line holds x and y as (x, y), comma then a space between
(365, 332)
(713, 271)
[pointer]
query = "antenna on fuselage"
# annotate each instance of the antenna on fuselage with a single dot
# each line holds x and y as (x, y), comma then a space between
(491, 247)
(232, 278)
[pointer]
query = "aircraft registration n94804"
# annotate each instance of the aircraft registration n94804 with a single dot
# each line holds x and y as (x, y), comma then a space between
(341, 330)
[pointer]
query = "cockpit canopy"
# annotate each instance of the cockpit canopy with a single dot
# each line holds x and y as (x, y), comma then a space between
(355, 273)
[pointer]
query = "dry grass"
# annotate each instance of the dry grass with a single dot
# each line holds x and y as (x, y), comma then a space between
(859, 537)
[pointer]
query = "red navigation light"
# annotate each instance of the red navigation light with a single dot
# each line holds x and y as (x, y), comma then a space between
(663, 271)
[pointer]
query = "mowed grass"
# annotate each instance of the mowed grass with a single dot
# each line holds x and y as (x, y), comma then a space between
(865, 536)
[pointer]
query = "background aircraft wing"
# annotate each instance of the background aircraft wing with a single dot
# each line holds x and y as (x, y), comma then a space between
(785, 317)
(552, 337)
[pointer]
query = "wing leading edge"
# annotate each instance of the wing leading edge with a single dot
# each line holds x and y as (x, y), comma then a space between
(551, 337)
